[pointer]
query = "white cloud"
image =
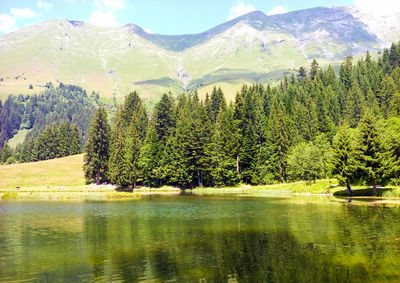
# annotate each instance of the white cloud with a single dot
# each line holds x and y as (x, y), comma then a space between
(23, 13)
(379, 8)
(105, 13)
(7, 23)
(44, 5)
(148, 30)
(109, 4)
(277, 10)
(239, 10)
(104, 19)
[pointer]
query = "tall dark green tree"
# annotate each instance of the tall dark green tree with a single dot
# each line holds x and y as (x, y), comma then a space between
(225, 141)
(345, 156)
(118, 170)
(97, 148)
(279, 142)
(375, 162)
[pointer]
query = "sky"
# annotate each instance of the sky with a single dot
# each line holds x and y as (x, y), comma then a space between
(162, 16)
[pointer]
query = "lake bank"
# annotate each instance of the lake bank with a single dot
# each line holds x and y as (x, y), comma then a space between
(79, 193)
(326, 189)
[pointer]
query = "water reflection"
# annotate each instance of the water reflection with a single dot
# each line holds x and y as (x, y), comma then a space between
(186, 239)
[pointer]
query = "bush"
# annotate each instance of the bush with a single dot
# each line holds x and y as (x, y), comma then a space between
(10, 195)
(11, 160)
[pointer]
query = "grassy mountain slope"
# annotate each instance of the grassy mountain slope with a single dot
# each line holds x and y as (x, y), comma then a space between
(114, 61)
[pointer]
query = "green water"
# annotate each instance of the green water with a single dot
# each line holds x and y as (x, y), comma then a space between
(193, 238)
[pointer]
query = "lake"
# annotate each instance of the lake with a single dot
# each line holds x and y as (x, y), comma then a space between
(215, 238)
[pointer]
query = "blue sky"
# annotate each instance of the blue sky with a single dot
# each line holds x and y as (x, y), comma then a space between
(158, 16)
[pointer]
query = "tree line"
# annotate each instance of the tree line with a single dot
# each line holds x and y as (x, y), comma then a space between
(57, 140)
(313, 124)
(36, 112)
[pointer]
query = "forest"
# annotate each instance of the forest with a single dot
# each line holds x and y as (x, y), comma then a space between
(50, 117)
(311, 125)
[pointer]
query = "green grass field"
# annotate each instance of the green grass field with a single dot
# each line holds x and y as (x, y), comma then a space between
(66, 171)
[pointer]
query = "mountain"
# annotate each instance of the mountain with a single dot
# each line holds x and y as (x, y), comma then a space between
(251, 48)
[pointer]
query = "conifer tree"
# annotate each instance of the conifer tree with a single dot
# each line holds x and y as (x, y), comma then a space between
(118, 168)
(225, 140)
(344, 156)
(375, 162)
(346, 73)
(314, 69)
(355, 105)
(279, 142)
(97, 148)
(301, 75)
(388, 91)
(133, 144)
(5, 153)
(217, 102)
(202, 137)
(149, 158)
(164, 117)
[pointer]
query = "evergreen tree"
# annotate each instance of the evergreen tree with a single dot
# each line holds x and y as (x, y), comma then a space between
(388, 91)
(279, 142)
(346, 73)
(355, 105)
(97, 148)
(150, 155)
(6, 153)
(164, 120)
(301, 75)
(133, 144)
(225, 140)
(118, 170)
(374, 162)
(394, 56)
(314, 69)
(217, 103)
(344, 156)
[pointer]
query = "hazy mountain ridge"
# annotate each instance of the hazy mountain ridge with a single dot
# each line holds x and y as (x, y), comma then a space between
(250, 48)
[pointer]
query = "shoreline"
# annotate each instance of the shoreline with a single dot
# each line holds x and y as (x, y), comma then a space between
(321, 188)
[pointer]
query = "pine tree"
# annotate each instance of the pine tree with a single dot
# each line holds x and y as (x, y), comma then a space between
(202, 136)
(279, 142)
(5, 153)
(355, 105)
(394, 56)
(217, 102)
(346, 73)
(225, 140)
(386, 94)
(150, 155)
(133, 144)
(314, 69)
(75, 140)
(375, 162)
(344, 156)
(118, 172)
(301, 75)
(164, 117)
(97, 148)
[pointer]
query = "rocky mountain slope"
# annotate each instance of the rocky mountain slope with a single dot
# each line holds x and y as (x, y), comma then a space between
(250, 48)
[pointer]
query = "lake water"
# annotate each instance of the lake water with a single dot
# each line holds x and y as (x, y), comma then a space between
(199, 238)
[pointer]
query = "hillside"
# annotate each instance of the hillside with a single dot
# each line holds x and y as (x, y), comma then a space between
(66, 171)
(251, 48)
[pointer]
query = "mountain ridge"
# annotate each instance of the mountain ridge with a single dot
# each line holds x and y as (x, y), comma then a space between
(251, 48)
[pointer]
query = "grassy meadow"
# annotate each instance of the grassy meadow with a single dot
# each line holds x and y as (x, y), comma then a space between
(66, 171)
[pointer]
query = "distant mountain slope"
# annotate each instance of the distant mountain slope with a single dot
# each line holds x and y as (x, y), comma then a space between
(250, 48)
